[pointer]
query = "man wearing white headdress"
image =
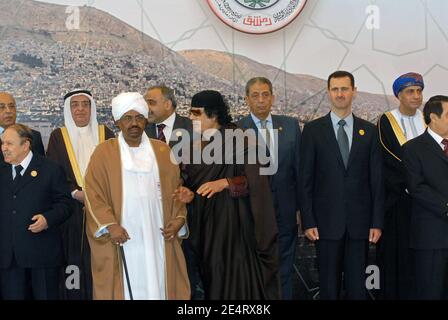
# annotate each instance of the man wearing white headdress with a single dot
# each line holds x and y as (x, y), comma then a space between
(129, 185)
(71, 146)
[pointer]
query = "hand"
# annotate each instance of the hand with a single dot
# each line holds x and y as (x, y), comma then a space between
(79, 195)
(374, 235)
(39, 225)
(172, 228)
(210, 188)
(183, 194)
(312, 234)
(118, 234)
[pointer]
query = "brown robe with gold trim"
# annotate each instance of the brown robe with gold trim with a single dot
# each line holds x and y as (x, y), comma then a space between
(103, 188)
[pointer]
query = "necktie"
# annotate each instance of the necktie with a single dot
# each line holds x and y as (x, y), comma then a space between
(343, 142)
(18, 170)
(263, 124)
(445, 143)
(160, 134)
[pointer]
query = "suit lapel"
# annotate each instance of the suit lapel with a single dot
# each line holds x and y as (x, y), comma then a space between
(434, 147)
(328, 132)
(151, 130)
(356, 140)
(277, 124)
(175, 133)
(30, 173)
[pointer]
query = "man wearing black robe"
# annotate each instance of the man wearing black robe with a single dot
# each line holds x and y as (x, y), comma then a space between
(63, 148)
(233, 230)
(395, 128)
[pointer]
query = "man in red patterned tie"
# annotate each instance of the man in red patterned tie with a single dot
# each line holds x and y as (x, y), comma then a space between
(426, 161)
(163, 122)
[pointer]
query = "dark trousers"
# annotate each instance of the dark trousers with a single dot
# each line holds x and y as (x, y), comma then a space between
(18, 283)
(193, 269)
(287, 240)
(431, 268)
(394, 256)
(348, 256)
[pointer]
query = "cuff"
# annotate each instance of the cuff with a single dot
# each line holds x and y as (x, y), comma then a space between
(103, 230)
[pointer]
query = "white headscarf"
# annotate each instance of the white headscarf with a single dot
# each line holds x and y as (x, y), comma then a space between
(83, 150)
(127, 101)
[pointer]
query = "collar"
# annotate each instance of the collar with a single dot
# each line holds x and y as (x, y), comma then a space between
(169, 122)
(335, 119)
(257, 121)
(418, 114)
(26, 162)
(435, 136)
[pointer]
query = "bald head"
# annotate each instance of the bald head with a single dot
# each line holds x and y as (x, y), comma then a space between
(7, 110)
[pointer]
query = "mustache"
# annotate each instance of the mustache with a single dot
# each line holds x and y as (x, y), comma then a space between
(134, 127)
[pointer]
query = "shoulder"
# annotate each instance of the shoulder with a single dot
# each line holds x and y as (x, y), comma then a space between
(243, 121)
(106, 146)
(415, 143)
(35, 133)
(314, 124)
(56, 133)
(286, 120)
(182, 118)
(162, 151)
(49, 165)
(160, 147)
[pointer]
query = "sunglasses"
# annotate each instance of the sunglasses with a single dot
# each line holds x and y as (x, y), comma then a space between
(196, 112)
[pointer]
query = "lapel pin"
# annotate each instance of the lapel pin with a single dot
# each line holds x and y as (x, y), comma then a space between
(34, 173)
(280, 128)
(362, 132)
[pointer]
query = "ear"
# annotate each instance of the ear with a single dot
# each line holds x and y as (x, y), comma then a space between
(433, 117)
(355, 92)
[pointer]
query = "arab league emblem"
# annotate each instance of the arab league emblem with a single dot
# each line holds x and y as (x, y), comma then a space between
(257, 16)
(257, 4)
(34, 173)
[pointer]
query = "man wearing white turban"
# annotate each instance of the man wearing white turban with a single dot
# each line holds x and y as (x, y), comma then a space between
(71, 146)
(129, 185)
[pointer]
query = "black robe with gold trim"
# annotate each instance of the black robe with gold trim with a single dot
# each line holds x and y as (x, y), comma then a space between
(75, 244)
(393, 253)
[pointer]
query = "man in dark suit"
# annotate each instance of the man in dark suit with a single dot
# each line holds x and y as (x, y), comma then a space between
(284, 183)
(8, 115)
(342, 191)
(34, 201)
(426, 161)
(163, 122)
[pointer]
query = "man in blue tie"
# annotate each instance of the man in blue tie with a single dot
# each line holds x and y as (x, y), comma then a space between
(285, 181)
(342, 192)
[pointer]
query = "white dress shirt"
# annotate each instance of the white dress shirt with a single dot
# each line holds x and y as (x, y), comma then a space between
(25, 163)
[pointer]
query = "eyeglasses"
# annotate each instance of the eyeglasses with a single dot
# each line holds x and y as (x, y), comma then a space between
(129, 118)
(196, 112)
